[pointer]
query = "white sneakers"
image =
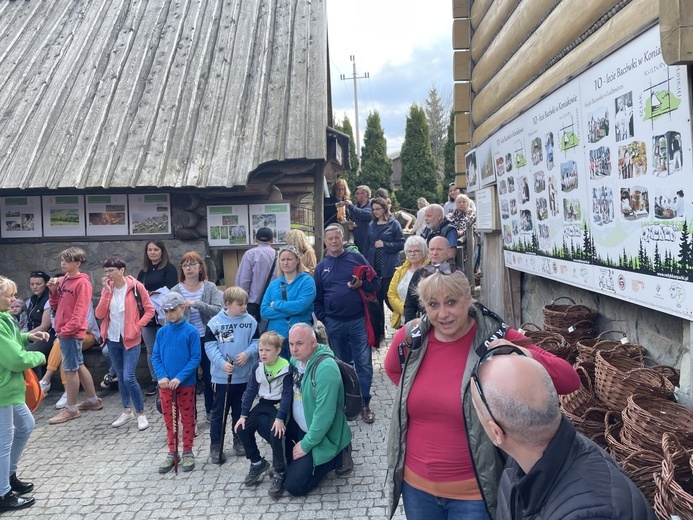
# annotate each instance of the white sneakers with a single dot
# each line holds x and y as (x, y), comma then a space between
(142, 423)
(124, 417)
(62, 402)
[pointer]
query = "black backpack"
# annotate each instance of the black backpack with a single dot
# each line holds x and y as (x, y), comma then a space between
(350, 381)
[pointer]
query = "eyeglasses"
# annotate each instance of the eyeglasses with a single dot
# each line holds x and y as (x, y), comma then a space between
(193, 264)
(444, 268)
(502, 350)
(414, 251)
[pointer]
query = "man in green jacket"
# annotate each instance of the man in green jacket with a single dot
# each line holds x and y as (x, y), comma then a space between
(318, 436)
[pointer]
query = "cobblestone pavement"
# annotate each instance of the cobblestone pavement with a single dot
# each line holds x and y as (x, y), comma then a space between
(85, 469)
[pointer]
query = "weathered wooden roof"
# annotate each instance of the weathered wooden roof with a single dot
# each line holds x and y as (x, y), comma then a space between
(161, 93)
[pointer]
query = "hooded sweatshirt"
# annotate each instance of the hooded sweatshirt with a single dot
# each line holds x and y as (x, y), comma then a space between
(227, 336)
(71, 304)
(14, 360)
(177, 352)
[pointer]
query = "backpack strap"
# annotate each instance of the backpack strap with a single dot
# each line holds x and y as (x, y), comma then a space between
(318, 360)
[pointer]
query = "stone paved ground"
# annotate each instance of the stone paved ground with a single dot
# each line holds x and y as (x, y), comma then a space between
(85, 469)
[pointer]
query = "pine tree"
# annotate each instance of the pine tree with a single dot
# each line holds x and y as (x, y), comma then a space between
(350, 175)
(436, 117)
(657, 260)
(449, 162)
(418, 165)
(376, 166)
(684, 251)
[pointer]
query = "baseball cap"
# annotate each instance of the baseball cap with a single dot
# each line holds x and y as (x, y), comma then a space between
(264, 234)
(172, 300)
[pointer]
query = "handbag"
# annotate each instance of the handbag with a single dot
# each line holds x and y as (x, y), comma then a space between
(34, 395)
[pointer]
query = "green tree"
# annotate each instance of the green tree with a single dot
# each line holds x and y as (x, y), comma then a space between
(376, 166)
(449, 162)
(350, 175)
(418, 165)
(437, 119)
(684, 251)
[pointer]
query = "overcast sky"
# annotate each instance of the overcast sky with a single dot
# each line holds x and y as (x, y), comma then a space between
(404, 45)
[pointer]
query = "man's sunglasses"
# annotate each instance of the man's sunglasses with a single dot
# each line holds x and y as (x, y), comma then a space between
(444, 268)
(502, 350)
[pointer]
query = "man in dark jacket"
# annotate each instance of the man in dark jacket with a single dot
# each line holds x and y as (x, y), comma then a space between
(438, 226)
(555, 473)
(360, 215)
(339, 306)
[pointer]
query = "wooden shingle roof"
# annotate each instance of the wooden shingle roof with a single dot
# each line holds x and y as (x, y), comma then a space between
(158, 93)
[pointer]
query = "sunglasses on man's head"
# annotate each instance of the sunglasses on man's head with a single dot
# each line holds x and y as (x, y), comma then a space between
(444, 268)
(502, 350)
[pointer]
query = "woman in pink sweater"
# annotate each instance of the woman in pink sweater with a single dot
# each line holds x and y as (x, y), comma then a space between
(125, 309)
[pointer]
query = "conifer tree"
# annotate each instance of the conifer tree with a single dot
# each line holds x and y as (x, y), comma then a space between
(449, 164)
(418, 165)
(376, 166)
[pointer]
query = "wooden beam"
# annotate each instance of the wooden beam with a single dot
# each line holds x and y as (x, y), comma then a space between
(460, 8)
(562, 27)
(462, 97)
(625, 25)
(462, 129)
(461, 33)
(676, 31)
(508, 34)
(460, 164)
(461, 65)
(479, 8)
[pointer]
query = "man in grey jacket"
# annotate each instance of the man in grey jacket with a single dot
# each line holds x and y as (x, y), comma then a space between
(554, 473)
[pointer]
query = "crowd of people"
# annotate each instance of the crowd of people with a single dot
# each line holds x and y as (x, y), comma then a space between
(261, 358)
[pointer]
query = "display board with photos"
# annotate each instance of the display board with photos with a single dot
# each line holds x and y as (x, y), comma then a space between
(107, 215)
(594, 181)
(228, 225)
(63, 216)
(150, 214)
(274, 215)
(20, 217)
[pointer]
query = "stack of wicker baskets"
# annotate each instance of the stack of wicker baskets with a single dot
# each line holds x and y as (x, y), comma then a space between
(573, 322)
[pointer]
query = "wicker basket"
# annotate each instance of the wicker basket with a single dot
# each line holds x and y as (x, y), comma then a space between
(675, 482)
(587, 348)
(646, 418)
(618, 376)
(564, 316)
(583, 398)
(638, 464)
(590, 423)
(576, 331)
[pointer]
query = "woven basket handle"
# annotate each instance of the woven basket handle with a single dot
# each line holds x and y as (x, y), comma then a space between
(608, 425)
(574, 325)
(611, 331)
(637, 453)
(633, 371)
(530, 324)
(587, 378)
(563, 298)
(671, 447)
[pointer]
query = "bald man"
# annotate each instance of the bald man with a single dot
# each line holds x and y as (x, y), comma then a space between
(555, 473)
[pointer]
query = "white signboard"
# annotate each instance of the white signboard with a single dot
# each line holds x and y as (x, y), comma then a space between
(20, 217)
(63, 216)
(274, 215)
(228, 225)
(594, 181)
(150, 214)
(473, 177)
(486, 210)
(107, 215)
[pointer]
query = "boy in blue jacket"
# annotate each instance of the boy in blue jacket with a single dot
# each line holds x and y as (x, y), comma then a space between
(231, 346)
(272, 383)
(175, 359)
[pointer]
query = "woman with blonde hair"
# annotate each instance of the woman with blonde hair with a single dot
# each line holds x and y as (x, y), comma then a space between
(420, 224)
(299, 240)
(335, 205)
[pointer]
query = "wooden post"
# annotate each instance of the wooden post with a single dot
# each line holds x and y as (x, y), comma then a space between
(319, 207)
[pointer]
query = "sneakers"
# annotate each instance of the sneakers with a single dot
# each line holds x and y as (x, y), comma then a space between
(256, 472)
(216, 456)
(108, 380)
(168, 463)
(11, 502)
(142, 423)
(124, 417)
(277, 486)
(346, 466)
(188, 461)
(151, 390)
(91, 405)
(62, 402)
(45, 386)
(64, 416)
(238, 446)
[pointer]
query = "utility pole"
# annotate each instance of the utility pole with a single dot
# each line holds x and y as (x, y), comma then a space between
(356, 103)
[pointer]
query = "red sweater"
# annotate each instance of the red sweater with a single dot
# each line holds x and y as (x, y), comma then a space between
(436, 449)
(71, 304)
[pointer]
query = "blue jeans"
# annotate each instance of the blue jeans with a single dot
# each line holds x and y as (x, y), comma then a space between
(16, 425)
(419, 504)
(349, 342)
(125, 362)
(71, 349)
(148, 337)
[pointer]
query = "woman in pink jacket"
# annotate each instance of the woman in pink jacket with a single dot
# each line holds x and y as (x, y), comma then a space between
(124, 308)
